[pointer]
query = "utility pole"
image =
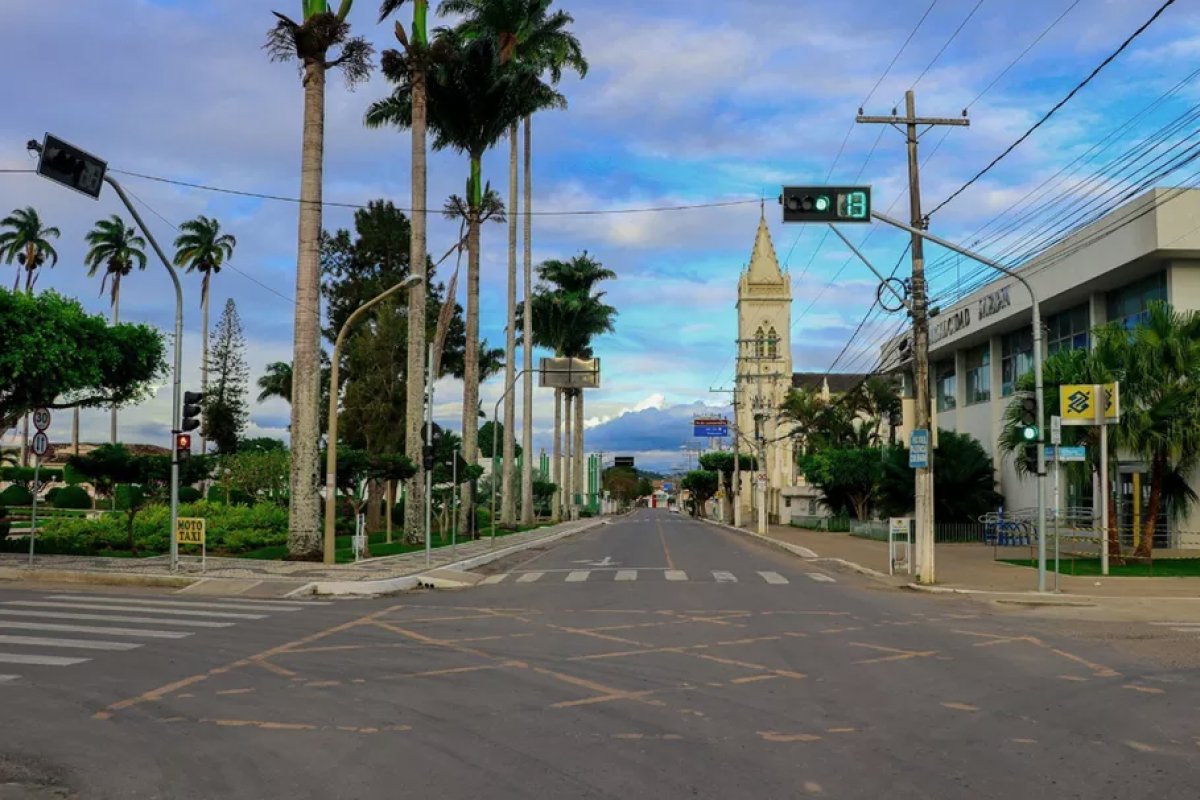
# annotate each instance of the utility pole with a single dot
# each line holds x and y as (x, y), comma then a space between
(924, 476)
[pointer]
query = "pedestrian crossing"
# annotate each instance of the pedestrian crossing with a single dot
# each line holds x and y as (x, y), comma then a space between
(645, 574)
(70, 629)
(1179, 627)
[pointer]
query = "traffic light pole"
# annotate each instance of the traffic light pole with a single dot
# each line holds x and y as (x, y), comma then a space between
(176, 395)
(1039, 391)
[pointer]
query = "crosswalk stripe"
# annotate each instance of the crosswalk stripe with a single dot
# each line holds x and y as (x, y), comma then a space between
(1186, 630)
(494, 578)
(271, 602)
(44, 661)
(530, 577)
(7, 678)
(1171, 624)
(48, 626)
(191, 623)
(82, 644)
(167, 603)
(820, 577)
(724, 577)
(675, 575)
(773, 577)
(575, 576)
(101, 607)
(626, 575)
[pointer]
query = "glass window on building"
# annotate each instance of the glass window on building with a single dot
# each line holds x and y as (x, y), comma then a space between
(947, 385)
(1016, 359)
(978, 363)
(1130, 305)
(1068, 330)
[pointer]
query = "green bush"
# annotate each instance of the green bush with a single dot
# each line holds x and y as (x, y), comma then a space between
(4, 524)
(70, 497)
(16, 496)
(217, 494)
(189, 494)
(53, 493)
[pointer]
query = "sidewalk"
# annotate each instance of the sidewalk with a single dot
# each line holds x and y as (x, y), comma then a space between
(250, 577)
(972, 567)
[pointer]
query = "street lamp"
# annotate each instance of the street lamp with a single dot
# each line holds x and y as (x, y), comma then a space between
(331, 437)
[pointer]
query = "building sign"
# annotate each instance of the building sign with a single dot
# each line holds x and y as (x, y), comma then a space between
(994, 302)
(950, 325)
(1085, 403)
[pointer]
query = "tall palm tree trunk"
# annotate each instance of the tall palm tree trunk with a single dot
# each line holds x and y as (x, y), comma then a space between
(75, 431)
(116, 318)
(507, 500)
(579, 473)
(414, 505)
(527, 351)
(470, 407)
(568, 483)
(204, 352)
(304, 533)
(1158, 468)
(556, 461)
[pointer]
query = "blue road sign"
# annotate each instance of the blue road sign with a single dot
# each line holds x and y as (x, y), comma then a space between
(918, 449)
(1064, 453)
(710, 428)
(666, 487)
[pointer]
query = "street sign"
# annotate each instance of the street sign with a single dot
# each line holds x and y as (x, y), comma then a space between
(190, 530)
(710, 427)
(40, 444)
(569, 373)
(1089, 404)
(918, 449)
(41, 418)
(1065, 453)
(66, 164)
(1055, 429)
(826, 203)
(666, 487)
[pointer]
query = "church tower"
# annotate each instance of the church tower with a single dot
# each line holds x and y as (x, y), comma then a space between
(764, 370)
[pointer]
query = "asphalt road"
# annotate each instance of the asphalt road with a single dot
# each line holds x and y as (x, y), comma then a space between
(652, 657)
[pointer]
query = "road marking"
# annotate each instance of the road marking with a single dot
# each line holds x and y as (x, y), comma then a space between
(1186, 630)
(101, 607)
(626, 575)
(82, 644)
(960, 706)
(271, 602)
(675, 575)
(1144, 689)
(773, 577)
(530, 577)
(194, 623)
(820, 577)
(775, 736)
(45, 661)
(724, 577)
(490, 579)
(170, 603)
(47, 626)
(7, 678)
(1168, 624)
(577, 575)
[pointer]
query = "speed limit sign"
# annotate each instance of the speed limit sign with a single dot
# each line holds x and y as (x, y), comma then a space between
(41, 418)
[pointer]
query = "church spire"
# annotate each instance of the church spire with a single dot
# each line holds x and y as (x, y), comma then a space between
(764, 264)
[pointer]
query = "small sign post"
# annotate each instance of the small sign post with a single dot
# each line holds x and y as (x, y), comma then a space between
(918, 449)
(899, 533)
(40, 445)
(1055, 429)
(192, 530)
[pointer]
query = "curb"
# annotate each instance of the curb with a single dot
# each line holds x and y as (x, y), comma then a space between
(19, 574)
(794, 549)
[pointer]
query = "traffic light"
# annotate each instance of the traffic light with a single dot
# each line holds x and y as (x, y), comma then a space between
(1029, 418)
(1029, 457)
(427, 457)
(66, 164)
(183, 446)
(826, 203)
(191, 411)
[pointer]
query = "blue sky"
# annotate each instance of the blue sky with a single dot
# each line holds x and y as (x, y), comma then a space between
(687, 102)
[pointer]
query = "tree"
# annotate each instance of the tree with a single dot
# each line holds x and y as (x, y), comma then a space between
(225, 414)
(487, 439)
(964, 487)
(847, 477)
(621, 483)
(260, 473)
(201, 247)
(702, 484)
(276, 381)
(875, 398)
(722, 462)
(118, 249)
(309, 42)
(67, 358)
(645, 487)
(260, 444)
(25, 240)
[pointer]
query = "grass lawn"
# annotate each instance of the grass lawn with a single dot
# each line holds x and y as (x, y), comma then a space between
(1163, 568)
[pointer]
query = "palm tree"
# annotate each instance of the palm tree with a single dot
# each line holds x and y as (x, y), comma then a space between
(276, 381)
(877, 399)
(471, 102)
(27, 241)
(202, 247)
(309, 42)
(118, 249)
(530, 36)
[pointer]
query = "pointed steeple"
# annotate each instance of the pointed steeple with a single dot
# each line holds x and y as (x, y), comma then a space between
(764, 264)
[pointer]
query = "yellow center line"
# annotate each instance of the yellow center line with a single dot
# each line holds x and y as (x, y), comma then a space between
(662, 538)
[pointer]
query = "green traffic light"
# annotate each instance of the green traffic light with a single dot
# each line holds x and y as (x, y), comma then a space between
(1029, 433)
(821, 203)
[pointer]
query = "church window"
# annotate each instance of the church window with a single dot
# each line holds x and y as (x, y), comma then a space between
(772, 344)
(759, 343)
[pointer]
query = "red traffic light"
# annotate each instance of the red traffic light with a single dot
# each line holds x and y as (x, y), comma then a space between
(183, 441)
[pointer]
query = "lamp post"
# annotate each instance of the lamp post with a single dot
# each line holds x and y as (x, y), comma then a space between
(331, 436)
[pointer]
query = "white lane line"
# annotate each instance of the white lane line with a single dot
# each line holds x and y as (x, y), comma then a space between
(271, 602)
(821, 577)
(191, 623)
(138, 632)
(626, 575)
(577, 575)
(82, 644)
(7, 678)
(675, 575)
(1186, 630)
(494, 578)
(165, 603)
(724, 577)
(1172, 624)
(773, 577)
(45, 661)
(179, 612)
(530, 577)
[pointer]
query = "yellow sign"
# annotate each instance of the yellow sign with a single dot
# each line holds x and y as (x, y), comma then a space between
(1089, 403)
(190, 530)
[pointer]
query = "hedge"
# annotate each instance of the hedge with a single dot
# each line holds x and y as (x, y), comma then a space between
(16, 496)
(70, 497)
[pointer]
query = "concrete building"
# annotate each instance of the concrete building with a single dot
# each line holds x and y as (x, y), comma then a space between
(1108, 271)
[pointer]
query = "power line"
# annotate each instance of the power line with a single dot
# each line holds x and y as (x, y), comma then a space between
(1023, 53)
(953, 36)
(896, 57)
(1045, 117)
